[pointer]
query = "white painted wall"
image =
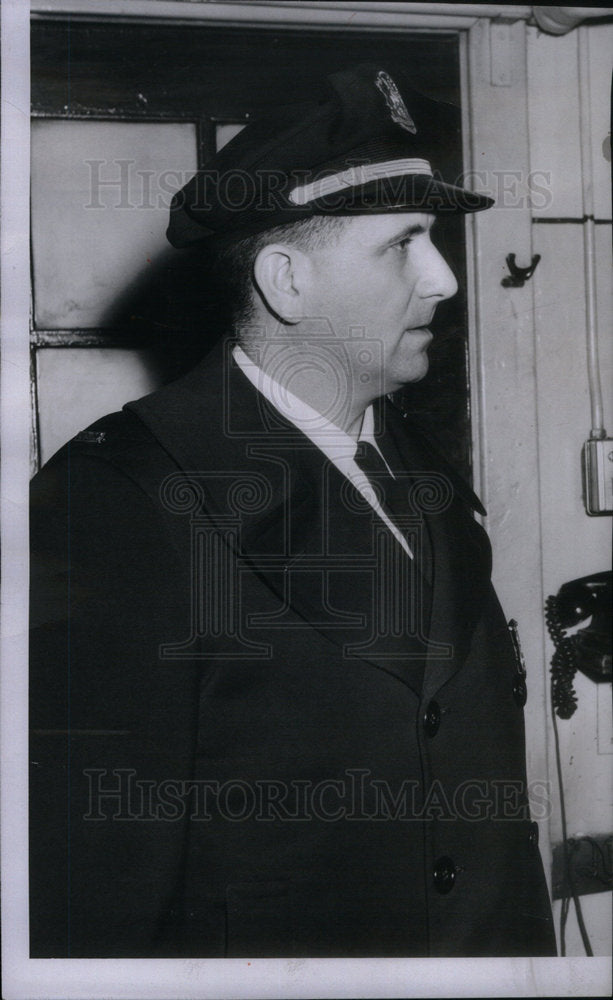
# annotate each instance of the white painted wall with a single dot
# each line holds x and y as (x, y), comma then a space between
(573, 544)
(503, 359)
(529, 376)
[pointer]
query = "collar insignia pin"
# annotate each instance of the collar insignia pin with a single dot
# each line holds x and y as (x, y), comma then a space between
(398, 109)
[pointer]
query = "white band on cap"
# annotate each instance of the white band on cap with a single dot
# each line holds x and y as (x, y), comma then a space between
(356, 177)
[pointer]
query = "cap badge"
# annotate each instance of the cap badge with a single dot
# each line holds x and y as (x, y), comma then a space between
(398, 108)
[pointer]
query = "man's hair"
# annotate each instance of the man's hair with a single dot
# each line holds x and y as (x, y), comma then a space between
(235, 260)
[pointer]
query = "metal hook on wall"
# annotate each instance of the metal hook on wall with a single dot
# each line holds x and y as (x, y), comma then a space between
(519, 275)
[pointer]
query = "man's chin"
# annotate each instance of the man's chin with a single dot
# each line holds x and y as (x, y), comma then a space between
(415, 372)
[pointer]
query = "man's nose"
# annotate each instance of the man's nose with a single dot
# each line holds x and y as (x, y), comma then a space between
(437, 279)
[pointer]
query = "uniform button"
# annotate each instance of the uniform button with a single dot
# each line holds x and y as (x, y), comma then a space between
(520, 691)
(533, 836)
(432, 718)
(444, 875)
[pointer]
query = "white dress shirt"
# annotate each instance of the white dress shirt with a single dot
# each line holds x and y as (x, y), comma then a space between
(335, 443)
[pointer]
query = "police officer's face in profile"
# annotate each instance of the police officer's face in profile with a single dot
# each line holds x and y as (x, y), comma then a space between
(383, 276)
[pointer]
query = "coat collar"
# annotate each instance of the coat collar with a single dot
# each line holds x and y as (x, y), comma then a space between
(411, 441)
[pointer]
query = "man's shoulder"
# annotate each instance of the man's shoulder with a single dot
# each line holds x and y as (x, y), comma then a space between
(114, 450)
(113, 438)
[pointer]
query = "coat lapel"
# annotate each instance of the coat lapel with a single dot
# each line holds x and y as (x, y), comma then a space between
(305, 531)
(461, 553)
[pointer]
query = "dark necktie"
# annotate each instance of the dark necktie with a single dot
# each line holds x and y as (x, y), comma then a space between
(393, 497)
(394, 500)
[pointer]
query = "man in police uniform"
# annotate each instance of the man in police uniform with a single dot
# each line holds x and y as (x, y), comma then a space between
(276, 708)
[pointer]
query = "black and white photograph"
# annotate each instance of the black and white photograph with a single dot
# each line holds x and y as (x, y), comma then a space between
(307, 484)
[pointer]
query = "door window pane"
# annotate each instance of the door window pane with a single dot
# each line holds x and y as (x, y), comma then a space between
(79, 385)
(100, 197)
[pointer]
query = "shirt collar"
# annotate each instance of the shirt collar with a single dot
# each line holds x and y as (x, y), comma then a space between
(335, 443)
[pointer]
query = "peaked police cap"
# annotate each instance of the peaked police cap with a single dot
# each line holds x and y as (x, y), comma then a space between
(370, 146)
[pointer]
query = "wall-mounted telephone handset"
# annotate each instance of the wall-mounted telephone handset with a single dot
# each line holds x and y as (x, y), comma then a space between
(589, 649)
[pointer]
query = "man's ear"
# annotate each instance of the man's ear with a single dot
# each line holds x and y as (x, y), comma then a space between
(280, 273)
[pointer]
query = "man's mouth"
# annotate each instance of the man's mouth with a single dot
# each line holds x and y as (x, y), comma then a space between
(419, 329)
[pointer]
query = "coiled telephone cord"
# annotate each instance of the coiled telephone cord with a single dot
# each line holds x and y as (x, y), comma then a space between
(563, 664)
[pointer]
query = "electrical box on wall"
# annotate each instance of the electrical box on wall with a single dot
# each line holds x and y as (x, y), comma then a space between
(597, 462)
(583, 865)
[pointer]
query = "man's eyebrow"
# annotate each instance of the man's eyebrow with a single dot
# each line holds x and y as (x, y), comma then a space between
(413, 230)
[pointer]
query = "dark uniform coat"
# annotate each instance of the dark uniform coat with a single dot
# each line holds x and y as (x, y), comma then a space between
(242, 743)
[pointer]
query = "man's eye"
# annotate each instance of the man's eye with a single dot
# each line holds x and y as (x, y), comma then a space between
(403, 244)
